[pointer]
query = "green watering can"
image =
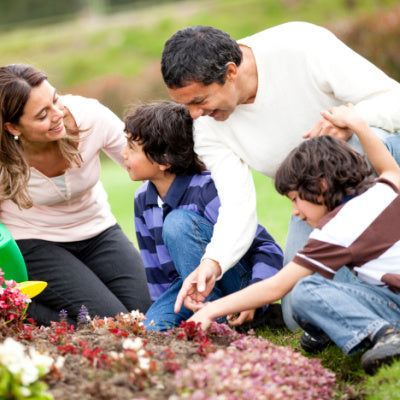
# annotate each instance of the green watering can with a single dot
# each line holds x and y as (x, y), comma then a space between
(13, 265)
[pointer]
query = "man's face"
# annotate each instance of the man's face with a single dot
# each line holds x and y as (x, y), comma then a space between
(214, 100)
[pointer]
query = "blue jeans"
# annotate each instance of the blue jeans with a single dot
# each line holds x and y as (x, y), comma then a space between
(346, 309)
(105, 273)
(299, 231)
(186, 236)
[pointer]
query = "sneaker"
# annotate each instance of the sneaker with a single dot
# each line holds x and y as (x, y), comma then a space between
(386, 348)
(313, 345)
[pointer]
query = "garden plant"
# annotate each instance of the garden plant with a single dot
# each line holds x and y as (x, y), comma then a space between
(117, 358)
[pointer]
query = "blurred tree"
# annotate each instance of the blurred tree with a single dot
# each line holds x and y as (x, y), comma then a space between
(16, 13)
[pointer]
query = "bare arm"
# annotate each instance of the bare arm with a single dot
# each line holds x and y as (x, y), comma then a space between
(379, 156)
(253, 296)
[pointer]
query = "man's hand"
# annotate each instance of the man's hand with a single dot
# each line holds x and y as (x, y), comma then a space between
(244, 316)
(198, 285)
(324, 127)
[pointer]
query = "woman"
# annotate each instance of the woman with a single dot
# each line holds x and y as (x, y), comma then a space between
(54, 204)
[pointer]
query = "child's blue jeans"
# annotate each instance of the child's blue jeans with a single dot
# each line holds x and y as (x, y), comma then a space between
(346, 309)
(186, 235)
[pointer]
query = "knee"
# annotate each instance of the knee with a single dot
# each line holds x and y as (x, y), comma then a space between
(177, 224)
(301, 293)
(392, 142)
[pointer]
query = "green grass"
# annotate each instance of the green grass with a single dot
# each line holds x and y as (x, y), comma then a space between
(121, 193)
(385, 385)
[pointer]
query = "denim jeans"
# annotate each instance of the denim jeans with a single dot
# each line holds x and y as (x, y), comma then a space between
(346, 309)
(299, 231)
(105, 273)
(186, 235)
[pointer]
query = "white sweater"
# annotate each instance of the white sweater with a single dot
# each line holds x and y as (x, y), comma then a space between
(302, 69)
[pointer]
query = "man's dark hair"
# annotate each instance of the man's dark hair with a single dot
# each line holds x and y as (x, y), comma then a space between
(344, 170)
(164, 129)
(198, 54)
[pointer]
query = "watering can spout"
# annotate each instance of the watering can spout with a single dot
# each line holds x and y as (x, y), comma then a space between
(32, 288)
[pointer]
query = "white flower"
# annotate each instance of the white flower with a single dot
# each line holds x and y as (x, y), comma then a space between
(59, 362)
(115, 355)
(141, 353)
(41, 361)
(144, 363)
(136, 344)
(29, 374)
(136, 314)
(25, 391)
(12, 355)
(30, 367)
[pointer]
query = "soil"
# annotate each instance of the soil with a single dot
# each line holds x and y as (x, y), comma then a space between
(87, 373)
(77, 379)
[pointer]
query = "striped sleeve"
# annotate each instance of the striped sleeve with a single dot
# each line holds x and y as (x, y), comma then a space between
(160, 270)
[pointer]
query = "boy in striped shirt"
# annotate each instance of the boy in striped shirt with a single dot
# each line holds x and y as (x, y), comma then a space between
(175, 212)
(356, 223)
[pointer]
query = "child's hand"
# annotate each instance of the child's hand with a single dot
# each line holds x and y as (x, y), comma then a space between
(239, 319)
(203, 316)
(343, 116)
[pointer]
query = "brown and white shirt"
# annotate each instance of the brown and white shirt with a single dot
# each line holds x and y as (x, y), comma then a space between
(363, 234)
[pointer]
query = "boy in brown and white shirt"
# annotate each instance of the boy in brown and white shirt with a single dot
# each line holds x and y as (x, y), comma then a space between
(355, 221)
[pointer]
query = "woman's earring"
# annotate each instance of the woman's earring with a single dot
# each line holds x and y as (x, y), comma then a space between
(16, 137)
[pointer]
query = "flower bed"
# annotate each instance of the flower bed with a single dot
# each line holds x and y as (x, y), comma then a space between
(115, 358)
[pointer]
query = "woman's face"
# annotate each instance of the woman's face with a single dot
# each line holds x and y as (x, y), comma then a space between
(42, 119)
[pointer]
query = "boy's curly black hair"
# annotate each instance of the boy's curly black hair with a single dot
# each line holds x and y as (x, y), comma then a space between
(164, 129)
(345, 172)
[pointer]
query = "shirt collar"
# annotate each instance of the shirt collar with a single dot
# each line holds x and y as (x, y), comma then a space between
(174, 194)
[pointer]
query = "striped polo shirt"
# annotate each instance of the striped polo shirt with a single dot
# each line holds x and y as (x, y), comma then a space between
(364, 234)
(195, 193)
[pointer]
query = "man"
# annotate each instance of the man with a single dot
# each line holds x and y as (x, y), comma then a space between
(264, 95)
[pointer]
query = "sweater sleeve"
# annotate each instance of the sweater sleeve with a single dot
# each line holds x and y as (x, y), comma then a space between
(349, 77)
(237, 220)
